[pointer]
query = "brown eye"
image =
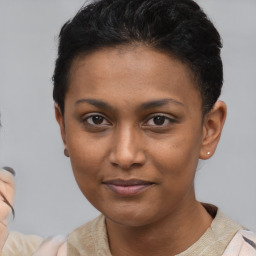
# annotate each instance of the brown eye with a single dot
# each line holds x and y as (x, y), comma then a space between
(159, 120)
(97, 120)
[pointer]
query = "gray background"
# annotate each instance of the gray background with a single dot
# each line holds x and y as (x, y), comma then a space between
(47, 200)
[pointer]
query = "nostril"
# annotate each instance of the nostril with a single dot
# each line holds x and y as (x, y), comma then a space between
(126, 165)
(115, 164)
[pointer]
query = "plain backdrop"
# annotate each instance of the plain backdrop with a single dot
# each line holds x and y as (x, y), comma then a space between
(48, 201)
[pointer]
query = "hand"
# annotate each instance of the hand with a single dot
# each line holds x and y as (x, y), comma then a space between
(7, 191)
(56, 246)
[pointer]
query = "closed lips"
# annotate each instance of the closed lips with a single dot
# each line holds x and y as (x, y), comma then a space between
(128, 187)
(132, 182)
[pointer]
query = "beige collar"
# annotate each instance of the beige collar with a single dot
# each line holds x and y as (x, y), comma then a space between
(91, 238)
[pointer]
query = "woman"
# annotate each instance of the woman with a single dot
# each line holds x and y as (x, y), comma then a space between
(136, 85)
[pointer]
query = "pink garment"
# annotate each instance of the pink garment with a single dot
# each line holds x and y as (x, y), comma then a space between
(243, 244)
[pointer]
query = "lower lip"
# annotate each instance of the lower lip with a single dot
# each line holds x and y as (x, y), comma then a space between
(128, 190)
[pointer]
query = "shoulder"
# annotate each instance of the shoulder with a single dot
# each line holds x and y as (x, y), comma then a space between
(89, 238)
(217, 237)
(20, 244)
(242, 244)
(239, 240)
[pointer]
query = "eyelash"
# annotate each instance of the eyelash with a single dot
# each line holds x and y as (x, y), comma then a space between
(85, 120)
(167, 118)
(91, 124)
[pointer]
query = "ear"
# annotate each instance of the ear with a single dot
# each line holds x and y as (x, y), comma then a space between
(60, 119)
(213, 124)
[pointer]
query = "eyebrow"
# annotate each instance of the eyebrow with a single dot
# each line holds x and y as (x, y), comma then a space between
(96, 103)
(160, 103)
(146, 105)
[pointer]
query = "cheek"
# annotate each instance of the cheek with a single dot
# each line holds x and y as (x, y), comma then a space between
(176, 161)
(86, 149)
(178, 155)
(87, 158)
(176, 166)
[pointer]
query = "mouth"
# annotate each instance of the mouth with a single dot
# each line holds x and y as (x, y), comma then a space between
(128, 188)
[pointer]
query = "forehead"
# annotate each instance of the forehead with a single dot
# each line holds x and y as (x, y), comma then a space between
(131, 72)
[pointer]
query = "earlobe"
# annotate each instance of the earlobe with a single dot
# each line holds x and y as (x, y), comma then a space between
(60, 119)
(213, 124)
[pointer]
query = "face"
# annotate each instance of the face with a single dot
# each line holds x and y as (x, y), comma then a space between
(133, 130)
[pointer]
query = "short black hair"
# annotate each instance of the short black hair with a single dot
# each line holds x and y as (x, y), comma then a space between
(177, 27)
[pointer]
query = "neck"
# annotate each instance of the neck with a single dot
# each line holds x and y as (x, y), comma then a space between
(169, 236)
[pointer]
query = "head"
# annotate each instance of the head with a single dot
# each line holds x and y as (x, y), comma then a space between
(179, 28)
(136, 84)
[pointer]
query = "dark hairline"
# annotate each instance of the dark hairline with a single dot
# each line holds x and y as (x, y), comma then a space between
(83, 54)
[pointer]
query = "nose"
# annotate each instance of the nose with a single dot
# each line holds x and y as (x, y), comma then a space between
(127, 149)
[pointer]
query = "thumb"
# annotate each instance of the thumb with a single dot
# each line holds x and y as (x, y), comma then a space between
(52, 247)
(7, 190)
(63, 250)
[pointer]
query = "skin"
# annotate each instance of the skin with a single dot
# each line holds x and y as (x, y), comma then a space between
(110, 131)
(55, 246)
(7, 190)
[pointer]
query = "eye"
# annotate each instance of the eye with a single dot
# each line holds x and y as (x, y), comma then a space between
(96, 120)
(159, 120)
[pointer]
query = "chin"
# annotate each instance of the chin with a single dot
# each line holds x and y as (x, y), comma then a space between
(131, 216)
(129, 221)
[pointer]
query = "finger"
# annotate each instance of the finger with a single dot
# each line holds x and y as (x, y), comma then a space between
(50, 246)
(7, 185)
(5, 210)
(6, 176)
(9, 169)
(63, 250)
(7, 190)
